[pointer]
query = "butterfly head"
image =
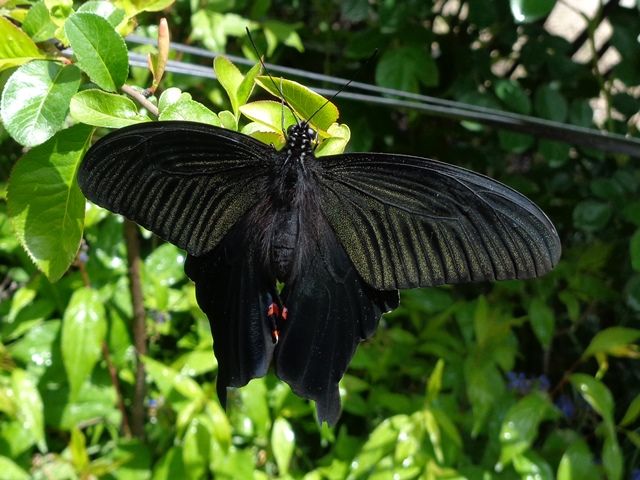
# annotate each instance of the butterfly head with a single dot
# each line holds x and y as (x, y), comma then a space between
(301, 139)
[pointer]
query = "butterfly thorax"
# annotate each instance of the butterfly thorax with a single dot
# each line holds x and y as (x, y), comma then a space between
(292, 205)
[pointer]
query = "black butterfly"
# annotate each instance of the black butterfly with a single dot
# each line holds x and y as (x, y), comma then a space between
(342, 232)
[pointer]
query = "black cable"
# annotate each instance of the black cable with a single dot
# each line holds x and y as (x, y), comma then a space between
(571, 134)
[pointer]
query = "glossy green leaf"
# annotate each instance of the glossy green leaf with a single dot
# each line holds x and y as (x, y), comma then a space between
(170, 96)
(282, 442)
(100, 51)
(84, 328)
(248, 83)
(230, 78)
(228, 120)
(16, 47)
(38, 24)
(542, 321)
(168, 379)
(270, 114)
(526, 11)
(577, 462)
(616, 341)
(530, 465)
(35, 100)
(189, 110)
(339, 136)
(632, 413)
(29, 406)
(45, 205)
(520, 425)
(104, 9)
(595, 393)
(303, 100)
(102, 109)
(165, 264)
(12, 470)
(407, 68)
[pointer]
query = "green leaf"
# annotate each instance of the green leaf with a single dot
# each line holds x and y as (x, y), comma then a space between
(612, 460)
(555, 153)
(634, 249)
(615, 341)
(167, 379)
(527, 11)
(134, 7)
(102, 109)
(529, 465)
(170, 466)
(29, 406)
(35, 100)
(484, 388)
(104, 9)
(280, 32)
(228, 120)
(196, 447)
(230, 78)
(515, 142)
(99, 49)
(38, 24)
(270, 114)
(59, 10)
(550, 104)
(304, 101)
(632, 413)
(577, 462)
(189, 110)
(45, 205)
(520, 425)
(406, 68)
(78, 450)
(591, 215)
(336, 143)
(513, 96)
(542, 321)
(16, 47)
(12, 470)
(84, 328)
(283, 441)
(596, 394)
(165, 265)
(248, 83)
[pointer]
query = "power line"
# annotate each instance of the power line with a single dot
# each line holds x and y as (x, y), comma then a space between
(571, 134)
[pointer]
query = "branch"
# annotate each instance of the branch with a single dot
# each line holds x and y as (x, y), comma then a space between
(139, 330)
(141, 99)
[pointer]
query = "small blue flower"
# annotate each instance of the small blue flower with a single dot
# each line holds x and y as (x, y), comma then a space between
(544, 383)
(519, 382)
(635, 474)
(566, 406)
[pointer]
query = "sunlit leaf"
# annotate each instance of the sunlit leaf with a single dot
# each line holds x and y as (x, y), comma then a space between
(16, 47)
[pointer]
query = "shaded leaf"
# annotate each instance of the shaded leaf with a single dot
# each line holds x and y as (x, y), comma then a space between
(406, 68)
(282, 442)
(595, 393)
(29, 406)
(38, 24)
(526, 11)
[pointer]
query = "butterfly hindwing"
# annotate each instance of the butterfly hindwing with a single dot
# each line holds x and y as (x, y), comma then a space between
(234, 293)
(330, 311)
(412, 222)
(187, 182)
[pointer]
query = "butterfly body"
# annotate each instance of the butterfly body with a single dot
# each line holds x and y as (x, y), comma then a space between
(342, 232)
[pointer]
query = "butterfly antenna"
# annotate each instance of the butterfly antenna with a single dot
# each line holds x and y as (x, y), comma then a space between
(342, 89)
(279, 89)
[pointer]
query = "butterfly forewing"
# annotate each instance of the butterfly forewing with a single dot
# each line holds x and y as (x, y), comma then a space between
(187, 182)
(410, 222)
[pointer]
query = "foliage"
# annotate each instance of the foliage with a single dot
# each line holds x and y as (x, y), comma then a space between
(535, 379)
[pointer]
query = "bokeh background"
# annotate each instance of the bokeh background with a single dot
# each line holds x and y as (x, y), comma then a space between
(530, 379)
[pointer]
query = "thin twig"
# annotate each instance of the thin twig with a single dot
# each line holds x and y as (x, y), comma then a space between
(139, 330)
(141, 99)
